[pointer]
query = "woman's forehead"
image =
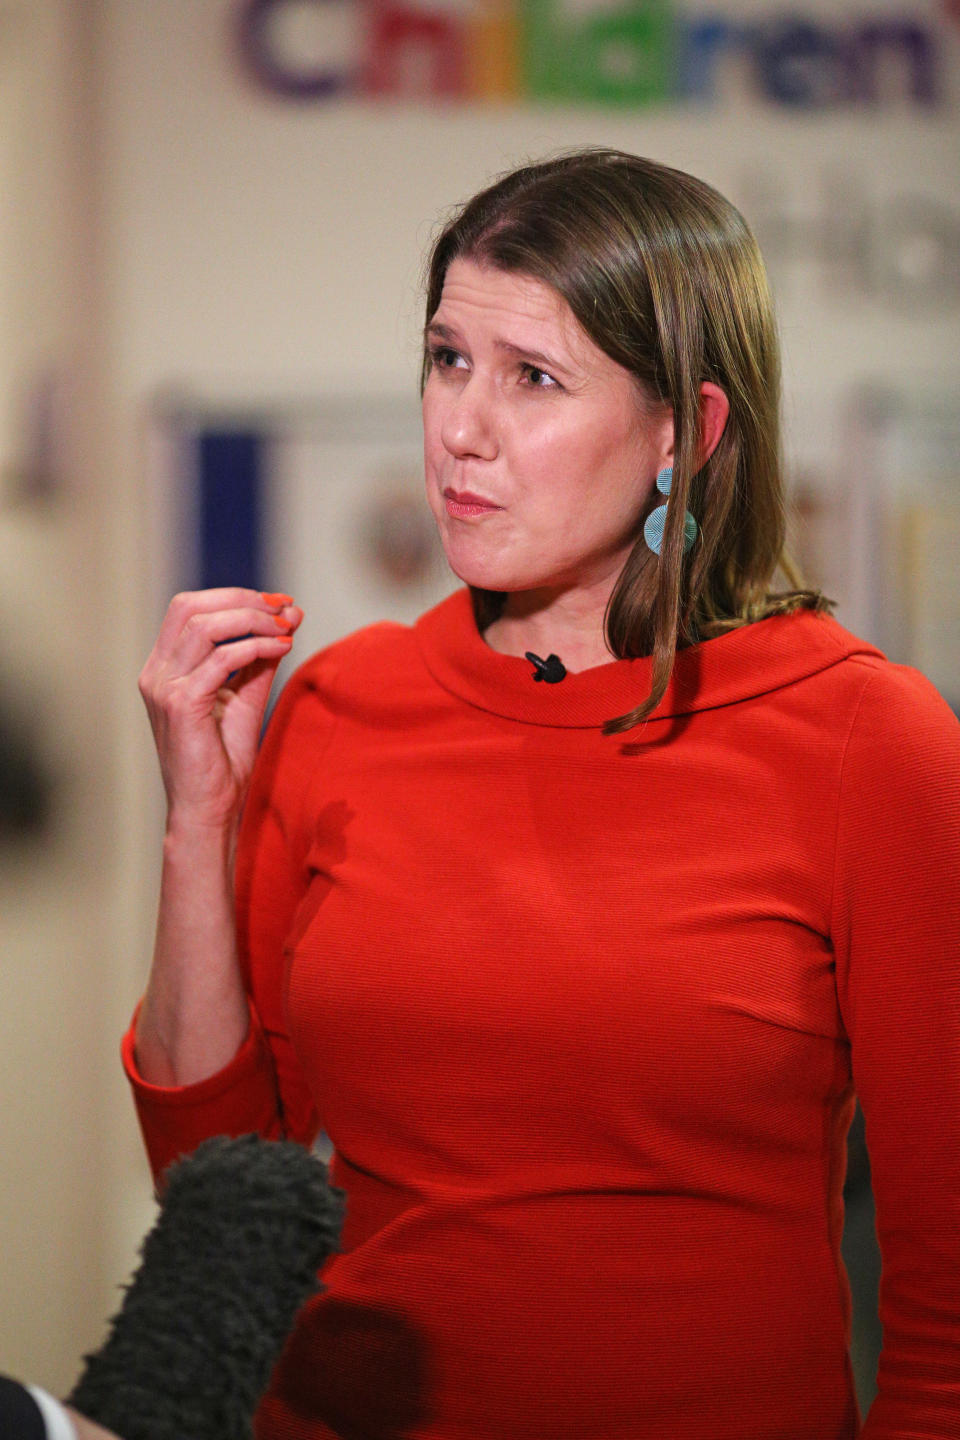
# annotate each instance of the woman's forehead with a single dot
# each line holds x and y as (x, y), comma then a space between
(485, 287)
(516, 309)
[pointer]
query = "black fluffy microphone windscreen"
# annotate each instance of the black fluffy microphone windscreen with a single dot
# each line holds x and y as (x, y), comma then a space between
(244, 1226)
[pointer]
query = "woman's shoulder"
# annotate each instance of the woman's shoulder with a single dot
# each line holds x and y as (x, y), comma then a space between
(378, 664)
(896, 728)
(877, 716)
(372, 646)
(889, 691)
(872, 682)
(358, 663)
(385, 656)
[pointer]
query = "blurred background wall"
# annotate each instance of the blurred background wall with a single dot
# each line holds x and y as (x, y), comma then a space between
(212, 221)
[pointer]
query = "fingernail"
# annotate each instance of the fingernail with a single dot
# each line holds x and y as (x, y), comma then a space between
(276, 601)
(282, 624)
(285, 640)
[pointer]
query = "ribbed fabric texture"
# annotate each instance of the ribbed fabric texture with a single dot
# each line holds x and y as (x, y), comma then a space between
(584, 1015)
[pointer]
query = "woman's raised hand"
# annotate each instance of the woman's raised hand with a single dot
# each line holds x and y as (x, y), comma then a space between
(205, 686)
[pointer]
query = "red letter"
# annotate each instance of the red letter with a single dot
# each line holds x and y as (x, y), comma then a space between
(413, 52)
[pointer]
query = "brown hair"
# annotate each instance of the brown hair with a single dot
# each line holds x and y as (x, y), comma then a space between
(665, 277)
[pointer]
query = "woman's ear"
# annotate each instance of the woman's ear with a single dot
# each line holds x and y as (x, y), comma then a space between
(714, 410)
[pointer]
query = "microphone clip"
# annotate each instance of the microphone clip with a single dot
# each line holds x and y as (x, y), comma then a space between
(552, 670)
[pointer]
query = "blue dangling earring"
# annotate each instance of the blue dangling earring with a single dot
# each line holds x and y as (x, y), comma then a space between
(655, 521)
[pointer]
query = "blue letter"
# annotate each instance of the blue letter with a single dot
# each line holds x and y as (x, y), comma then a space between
(700, 44)
(804, 65)
(907, 38)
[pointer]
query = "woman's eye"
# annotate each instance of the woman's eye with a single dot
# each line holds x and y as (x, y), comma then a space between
(538, 379)
(446, 359)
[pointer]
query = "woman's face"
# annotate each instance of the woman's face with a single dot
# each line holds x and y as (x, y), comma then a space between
(540, 451)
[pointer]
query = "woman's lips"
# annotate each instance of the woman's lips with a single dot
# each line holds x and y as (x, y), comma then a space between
(462, 503)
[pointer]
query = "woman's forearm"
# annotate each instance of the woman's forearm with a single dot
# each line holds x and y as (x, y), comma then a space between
(194, 1015)
(205, 685)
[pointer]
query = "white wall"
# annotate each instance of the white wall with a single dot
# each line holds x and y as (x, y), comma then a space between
(58, 936)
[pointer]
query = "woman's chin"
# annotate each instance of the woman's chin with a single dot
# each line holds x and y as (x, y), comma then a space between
(496, 582)
(499, 573)
(478, 575)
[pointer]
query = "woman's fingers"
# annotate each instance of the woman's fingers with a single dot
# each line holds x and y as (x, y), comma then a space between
(228, 659)
(205, 685)
(190, 603)
(190, 695)
(198, 621)
(207, 629)
(206, 754)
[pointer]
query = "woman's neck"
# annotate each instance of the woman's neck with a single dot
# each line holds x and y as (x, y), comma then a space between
(569, 625)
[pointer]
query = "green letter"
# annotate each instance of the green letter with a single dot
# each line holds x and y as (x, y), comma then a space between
(623, 55)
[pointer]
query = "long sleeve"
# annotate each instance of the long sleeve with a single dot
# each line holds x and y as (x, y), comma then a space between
(261, 1089)
(896, 927)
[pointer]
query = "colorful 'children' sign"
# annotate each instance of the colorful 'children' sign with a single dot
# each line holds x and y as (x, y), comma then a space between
(637, 53)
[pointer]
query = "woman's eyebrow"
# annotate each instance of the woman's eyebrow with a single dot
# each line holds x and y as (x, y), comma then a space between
(438, 331)
(522, 352)
(434, 330)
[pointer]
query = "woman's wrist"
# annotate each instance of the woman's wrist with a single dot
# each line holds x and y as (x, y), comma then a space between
(200, 830)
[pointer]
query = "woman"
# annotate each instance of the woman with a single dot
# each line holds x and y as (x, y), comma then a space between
(578, 975)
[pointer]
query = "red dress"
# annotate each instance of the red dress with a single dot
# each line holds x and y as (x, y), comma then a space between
(583, 1017)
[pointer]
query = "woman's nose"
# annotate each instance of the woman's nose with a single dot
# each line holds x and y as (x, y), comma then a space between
(469, 423)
